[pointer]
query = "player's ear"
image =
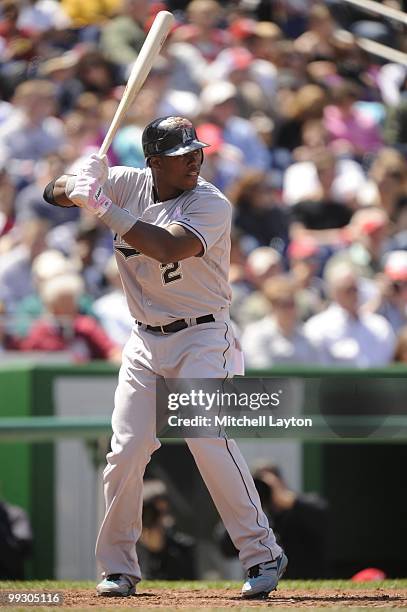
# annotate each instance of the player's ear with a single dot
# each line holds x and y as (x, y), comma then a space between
(155, 162)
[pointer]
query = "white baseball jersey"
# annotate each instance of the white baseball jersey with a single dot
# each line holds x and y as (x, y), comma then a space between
(158, 294)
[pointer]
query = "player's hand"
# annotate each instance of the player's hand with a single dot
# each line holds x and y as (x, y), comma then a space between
(86, 191)
(95, 167)
(88, 194)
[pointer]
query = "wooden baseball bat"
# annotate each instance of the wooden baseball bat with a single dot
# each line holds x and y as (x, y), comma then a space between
(151, 48)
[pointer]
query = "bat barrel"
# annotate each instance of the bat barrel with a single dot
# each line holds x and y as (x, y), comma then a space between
(151, 48)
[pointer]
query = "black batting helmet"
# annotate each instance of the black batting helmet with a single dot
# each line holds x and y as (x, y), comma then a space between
(170, 136)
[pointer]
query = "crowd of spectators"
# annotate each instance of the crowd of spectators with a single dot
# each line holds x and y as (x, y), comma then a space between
(308, 135)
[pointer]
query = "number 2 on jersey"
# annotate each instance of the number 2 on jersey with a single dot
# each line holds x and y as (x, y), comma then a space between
(170, 272)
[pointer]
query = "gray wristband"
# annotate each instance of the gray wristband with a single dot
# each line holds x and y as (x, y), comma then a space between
(119, 220)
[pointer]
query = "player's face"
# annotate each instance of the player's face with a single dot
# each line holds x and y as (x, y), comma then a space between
(179, 173)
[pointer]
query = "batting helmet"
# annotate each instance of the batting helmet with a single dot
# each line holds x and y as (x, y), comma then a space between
(170, 136)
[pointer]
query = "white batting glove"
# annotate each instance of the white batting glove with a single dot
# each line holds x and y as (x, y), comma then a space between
(88, 194)
(85, 189)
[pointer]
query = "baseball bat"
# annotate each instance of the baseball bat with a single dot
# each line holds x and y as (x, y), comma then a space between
(141, 68)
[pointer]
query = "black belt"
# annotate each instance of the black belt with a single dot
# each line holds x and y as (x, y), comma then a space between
(177, 325)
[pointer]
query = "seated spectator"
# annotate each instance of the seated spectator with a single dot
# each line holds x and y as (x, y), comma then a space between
(323, 176)
(318, 41)
(122, 37)
(49, 264)
(349, 129)
(111, 309)
(391, 301)
(32, 131)
(218, 102)
(262, 263)
(16, 280)
(345, 335)
(387, 185)
(164, 552)
(278, 339)
(223, 163)
(321, 217)
(62, 328)
(30, 203)
(367, 234)
(258, 214)
(202, 31)
(305, 259)
(306, 104)
(17, 44)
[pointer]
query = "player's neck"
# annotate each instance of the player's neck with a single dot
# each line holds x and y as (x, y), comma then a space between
(162, 192)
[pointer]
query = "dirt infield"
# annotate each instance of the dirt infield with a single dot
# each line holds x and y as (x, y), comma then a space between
(227, 598)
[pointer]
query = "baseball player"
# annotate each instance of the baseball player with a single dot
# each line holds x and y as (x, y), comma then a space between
(172, 241)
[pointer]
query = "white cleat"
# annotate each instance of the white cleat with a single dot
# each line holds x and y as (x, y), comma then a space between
(117, 585)
(263, 578)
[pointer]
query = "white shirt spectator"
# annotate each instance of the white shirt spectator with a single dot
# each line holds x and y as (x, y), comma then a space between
(301, 181)
(364, 342)
(264, 345)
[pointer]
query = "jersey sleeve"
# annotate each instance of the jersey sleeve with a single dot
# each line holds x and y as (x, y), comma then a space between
(208, 218)
(124, 186)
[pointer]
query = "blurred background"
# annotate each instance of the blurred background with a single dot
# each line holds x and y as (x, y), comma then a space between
(304, 104)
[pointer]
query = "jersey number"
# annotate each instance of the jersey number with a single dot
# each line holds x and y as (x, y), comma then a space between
(170, 272)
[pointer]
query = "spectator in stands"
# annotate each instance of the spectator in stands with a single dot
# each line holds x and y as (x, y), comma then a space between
(318, 41)
(219, 107)
(307, 104)
(32, 131)
(387, 186)
(305, 260)
(30, 203)
(258, 214)
(111, 309)
(15, 266)
(62, 328)
(123, 36)
(278, 338)
(391, 301)
(323, 176)
(223, 163)
(321, 217)
(261, 264)
(345, 335)
(350, 129)
(202, 31)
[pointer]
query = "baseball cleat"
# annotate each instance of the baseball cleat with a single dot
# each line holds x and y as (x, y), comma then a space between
(116, 585)
(263, 577)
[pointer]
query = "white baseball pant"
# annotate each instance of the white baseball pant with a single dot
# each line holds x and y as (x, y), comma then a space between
(200, 351)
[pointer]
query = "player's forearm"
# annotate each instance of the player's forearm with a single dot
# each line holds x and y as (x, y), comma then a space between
(159, 244)
(56, 191)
